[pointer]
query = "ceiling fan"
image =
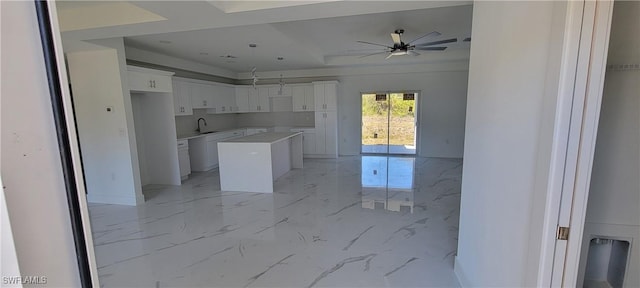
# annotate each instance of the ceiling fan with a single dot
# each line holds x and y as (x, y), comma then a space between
(401, 48)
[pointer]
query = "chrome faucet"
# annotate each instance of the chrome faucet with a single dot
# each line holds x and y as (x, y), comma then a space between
(205, 124)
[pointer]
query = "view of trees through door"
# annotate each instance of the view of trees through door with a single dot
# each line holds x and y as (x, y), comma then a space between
(389, 123)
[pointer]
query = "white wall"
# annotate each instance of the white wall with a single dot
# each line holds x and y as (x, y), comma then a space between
(614, 197)
(138, 111)
(285, 119)
(30, 161)
(104, 136)
(187, 125)
(443, 88)
(613, 209)
(507, 139)
(442, 101)
(442, 108)
(155, 118)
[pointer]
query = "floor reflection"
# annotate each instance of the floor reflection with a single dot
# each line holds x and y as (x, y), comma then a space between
(388, 183)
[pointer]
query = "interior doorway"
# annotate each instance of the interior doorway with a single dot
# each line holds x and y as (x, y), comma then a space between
(389, 123)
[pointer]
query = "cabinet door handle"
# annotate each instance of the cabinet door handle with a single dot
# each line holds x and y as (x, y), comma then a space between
(154, 83)
(150, 84)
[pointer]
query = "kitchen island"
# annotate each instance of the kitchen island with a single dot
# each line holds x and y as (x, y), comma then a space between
(252, 163)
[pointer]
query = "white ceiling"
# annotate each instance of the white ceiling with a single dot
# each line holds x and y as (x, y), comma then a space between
(309, 34)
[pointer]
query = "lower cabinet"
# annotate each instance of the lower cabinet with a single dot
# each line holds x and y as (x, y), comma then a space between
(327, 134)
(308, 140)
(309, 143)
(203, 151)
(212, 153)
(183, 159)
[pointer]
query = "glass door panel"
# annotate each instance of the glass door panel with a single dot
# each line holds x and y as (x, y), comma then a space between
(402, 123)
(375, 123)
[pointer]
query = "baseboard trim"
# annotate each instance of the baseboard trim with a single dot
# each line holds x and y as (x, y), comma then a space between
(110, 199)
(457, 270)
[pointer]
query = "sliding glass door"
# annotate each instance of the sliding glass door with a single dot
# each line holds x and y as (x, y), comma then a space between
(389, 123)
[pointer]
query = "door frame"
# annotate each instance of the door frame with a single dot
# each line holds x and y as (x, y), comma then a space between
(70, 147)
(585, 48)
(417, 119)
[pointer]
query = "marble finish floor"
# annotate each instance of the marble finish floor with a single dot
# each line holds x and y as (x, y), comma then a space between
(360, 221)
(391, 149)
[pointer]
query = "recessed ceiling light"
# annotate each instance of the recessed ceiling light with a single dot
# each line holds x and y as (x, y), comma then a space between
(280, 58)
(204, 53)
(165, 42)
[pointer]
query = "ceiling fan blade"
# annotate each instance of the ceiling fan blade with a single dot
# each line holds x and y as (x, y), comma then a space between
(389, 56)
(396, 38)
(365, 42)
(439, 42)
(430, 34)
(359, 52)
(431, 48)
(383, 52)
(413, 53)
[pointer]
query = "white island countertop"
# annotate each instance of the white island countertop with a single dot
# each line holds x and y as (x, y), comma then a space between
(252, 163)
(266, 137)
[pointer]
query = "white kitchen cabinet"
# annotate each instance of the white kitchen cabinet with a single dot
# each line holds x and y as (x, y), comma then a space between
(327, 133)
(242, 98)
(259, 99)
(204, 150)
(182, 98)
(183, 159)
(308, 140)
(202, 96)
(274, 91)
(226, 101)
(212, 152)
(326, 95)
(309, 143)
(148, 80)
(303, 98)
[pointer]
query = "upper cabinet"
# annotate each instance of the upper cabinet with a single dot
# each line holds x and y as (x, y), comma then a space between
(325, 95)
(259, 99)
(182, 97)
(303, 98)
(149, 80)
(242, 98)
(202, 96)
(276, 91)
(227, 99)
(220, 98)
